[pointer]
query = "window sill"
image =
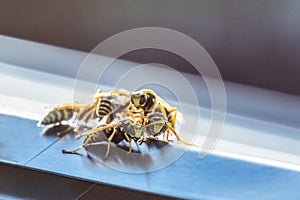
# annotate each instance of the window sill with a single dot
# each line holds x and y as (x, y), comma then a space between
(270, 147)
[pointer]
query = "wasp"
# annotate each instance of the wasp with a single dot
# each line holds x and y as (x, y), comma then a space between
(148, 102)
(104, 104)
(125, 129)
(77, 113)
(60, 114)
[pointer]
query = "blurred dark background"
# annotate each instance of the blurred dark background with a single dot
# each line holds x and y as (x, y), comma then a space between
(252, 42)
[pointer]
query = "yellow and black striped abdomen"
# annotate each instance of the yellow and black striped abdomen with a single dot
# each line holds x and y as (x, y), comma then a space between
(104, 107)
(55, 116)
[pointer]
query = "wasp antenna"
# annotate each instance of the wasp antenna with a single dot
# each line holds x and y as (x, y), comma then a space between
(152, 123)
(95, 130)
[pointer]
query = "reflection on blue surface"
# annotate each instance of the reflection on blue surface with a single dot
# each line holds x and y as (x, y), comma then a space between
(20, 139)
(188, 177)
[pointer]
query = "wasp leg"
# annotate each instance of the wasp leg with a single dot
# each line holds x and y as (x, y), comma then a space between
(72, 151)
(77, 129)
(108, 143)
(172, 121)
(132, 116)
(129, 142)
(64, 132)
(178, 138)
(80, 147)
(95, 130)
(69, 106)
(100, 94)
(85, 112)
(84, 115)
(119, 92)
(166, 136)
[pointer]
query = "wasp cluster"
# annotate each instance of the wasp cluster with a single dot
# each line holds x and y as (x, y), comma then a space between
(141, 116)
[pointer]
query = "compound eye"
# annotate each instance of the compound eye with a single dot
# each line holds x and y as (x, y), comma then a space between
(136, 99)
(143, 100)
(130, 130)
(157, 127)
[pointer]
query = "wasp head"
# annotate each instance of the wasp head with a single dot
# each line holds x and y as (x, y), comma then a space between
(133, 129)
(143, 99)
(157, 124)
